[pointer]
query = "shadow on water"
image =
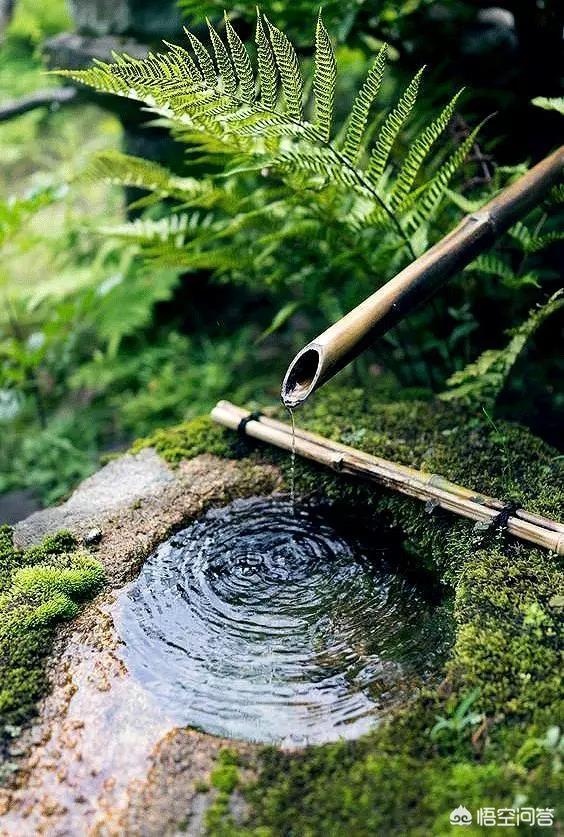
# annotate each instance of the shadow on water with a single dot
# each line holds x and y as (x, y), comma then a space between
(269, 623)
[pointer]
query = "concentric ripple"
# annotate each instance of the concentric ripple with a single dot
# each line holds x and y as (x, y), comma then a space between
(260, 622)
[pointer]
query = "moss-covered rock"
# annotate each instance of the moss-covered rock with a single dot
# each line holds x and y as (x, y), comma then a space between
(485, 737)
(187, 440)
(39, 587)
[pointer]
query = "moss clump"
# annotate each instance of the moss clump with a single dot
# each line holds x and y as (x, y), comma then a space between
(497, 752)
(39, 587)
(187, 440)
(224, 778)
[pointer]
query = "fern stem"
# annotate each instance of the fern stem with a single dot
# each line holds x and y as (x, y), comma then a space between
(369, 188)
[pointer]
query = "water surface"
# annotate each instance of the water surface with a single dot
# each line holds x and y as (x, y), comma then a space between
(261, 621)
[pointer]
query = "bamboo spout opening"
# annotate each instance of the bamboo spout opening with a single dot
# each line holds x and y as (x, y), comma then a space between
(302, 376)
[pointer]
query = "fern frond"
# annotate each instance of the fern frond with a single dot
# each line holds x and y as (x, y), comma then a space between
(556, 195)
(215, 106)
(426, 206)
(534, 243)
(539, 242)
(418, 153)
(185, 63)
(467, 205)
(126, 170)
(555, 103)
(491, 265)
(204, 59)
(268, 73)
(289, 69)
(223, 61)
(480, 382)
(264, 124)
(391, 128)
(242, 63)
(324, 80)
(361, 108)
(144, 231)
(317, 161)
(520, 233)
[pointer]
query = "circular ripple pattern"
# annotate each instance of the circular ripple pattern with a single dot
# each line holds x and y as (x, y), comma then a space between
(261, 622)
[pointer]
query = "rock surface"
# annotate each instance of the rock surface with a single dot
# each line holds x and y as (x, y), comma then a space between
(102, 757)
(144, 17)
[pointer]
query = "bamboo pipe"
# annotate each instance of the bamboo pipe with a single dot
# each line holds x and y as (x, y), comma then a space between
(323, 357)
(423, 486)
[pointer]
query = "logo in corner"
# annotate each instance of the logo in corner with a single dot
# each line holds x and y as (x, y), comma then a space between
(460, 816)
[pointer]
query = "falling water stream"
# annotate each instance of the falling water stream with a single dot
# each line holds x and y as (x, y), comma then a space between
(293, 458)
(262, 621)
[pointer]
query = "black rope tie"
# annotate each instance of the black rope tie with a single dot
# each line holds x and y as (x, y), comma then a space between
(497, 524)
(242, 426)
(245, 442)
(501, 520)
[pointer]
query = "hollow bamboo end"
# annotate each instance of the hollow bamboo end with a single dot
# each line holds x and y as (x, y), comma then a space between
(302, 377)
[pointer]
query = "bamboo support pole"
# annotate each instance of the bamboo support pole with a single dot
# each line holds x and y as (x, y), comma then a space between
(423, 486)
(323, 357)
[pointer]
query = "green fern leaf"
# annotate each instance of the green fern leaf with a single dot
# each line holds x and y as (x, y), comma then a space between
(217, 111)
(555, 103)
(491, 265)
(324, 80)
(479, 383)
(361, 108)
(539, 242)
(264, 124)
(520, 233)
(223, 61)
(431, 197)
(289, 70)
(390, 130)
(418, 153)
(533, 243)
(184, 61)
(204, 59)
(556, 196)
(464, 203)
(268, 73)
(317, 161)
(242, 63)
(126, 170)
(172, 229)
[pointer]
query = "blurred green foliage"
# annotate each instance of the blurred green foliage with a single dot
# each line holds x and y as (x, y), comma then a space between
(116, 321)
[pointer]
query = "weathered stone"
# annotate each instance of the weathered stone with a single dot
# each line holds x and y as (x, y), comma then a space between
(102, 756)
(143, 17)
(115, 487)
(76, 52)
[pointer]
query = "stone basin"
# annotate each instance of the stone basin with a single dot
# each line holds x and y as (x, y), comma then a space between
(104, 757)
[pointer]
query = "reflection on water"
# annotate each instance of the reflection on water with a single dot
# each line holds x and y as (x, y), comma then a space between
(261, 622)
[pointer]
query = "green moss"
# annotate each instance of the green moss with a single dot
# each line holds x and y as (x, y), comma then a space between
(39, 587)
(185, 441)
(224, 778)
(400, 779)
